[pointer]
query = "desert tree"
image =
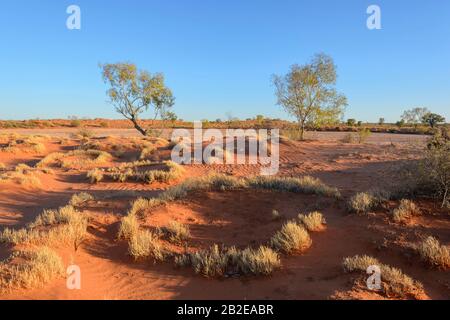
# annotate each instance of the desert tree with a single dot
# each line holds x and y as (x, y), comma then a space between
(432, 119)
(307, 93)
(414, 116)
(132, 92)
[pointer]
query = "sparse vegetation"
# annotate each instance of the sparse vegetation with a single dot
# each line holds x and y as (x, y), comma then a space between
(95, 175)
(176, 232)
(38, 268)
(363, 135)
(405, 211)
(23, 175)
(80, 199)
(434, 253)
(25, 144)
(215, 262)
(129, 227)
(145, 244)
(140, 205)
(144, 171)
(291, 238)
(394, 282)
(307, 185)
(313, 221)
(362, 203)
(77, 159)
(65, 226)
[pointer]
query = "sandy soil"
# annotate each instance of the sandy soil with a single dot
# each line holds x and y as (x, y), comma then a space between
(375, 138)
(238, 218)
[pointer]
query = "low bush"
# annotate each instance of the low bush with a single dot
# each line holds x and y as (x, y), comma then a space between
(145, 244)
(176, 232)
(307, 185)
(38, 268)
(128, 227)
(405, 211)
(394, 282)
(215, 262)
(291, 238)
(80, 199)
(434, 253)
(313, 221)
(362, 203)
(95, 175)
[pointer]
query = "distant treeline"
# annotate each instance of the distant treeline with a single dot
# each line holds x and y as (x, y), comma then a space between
(219, 124)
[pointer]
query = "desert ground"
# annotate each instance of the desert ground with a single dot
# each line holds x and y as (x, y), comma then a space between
(241, 217)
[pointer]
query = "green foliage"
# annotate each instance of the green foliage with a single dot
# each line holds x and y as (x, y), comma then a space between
(132, 91)
(432, 119)
(307, 93)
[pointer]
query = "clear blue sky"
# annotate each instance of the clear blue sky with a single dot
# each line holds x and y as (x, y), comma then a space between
(218, 56)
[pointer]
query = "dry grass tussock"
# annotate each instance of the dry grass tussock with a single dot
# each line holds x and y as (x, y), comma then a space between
(176, 232)
(220, 182)
(216, 262)
(65, 226)
(313, 221)
(145, 244)
(136, 171)
(306, 185)
(405, 211)
(26, 144)
(76, 159)
(37, 268)
(292, 238)
(129, 226)
(435, 254)
(23, 175)
(394, 282)
(362, 202)
(80, 198)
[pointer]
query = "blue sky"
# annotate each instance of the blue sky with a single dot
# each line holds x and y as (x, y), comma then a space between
(218, 56)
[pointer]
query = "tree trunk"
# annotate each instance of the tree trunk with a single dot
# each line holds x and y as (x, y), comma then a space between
(138, 127)
(302, 131)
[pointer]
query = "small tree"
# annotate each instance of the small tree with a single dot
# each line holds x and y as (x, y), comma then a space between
(134, 91)
(351, 122)
(307, 93)
(381, 121)
(414, 116)
(432, 119)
